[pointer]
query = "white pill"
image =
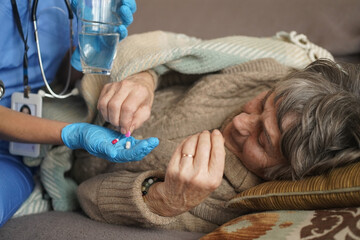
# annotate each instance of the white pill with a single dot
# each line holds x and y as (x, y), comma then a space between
(128, 145)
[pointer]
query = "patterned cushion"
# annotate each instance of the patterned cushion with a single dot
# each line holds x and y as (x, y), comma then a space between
(318, 224)
(339, 188)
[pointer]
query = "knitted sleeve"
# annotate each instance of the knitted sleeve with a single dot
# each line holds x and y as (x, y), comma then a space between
(116, 198)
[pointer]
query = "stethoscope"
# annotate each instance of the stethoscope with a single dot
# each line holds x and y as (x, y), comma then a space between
(52, 94)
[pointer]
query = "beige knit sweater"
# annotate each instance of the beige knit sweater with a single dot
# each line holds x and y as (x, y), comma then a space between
(183, 105)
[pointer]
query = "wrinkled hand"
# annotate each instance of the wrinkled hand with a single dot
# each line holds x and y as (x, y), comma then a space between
(97, 141)
(126, 11)
(189, 180)
(127, 103)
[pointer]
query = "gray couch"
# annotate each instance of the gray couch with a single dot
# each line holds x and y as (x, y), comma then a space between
(332, 24)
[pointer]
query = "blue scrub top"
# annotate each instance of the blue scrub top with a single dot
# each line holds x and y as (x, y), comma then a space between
(54, 37)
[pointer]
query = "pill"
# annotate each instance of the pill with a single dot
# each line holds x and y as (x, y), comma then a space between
(128, 145)
(115, 141)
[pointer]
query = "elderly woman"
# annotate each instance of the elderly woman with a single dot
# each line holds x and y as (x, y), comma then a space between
(220, 134)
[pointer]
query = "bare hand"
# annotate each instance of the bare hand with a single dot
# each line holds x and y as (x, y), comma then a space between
(189, 179)
(127, 104)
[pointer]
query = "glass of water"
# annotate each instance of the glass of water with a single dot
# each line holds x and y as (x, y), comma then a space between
(98, 24)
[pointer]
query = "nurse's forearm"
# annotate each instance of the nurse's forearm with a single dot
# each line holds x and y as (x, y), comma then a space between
(21, 127)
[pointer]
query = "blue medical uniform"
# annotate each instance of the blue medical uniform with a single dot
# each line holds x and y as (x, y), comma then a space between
(16, 180)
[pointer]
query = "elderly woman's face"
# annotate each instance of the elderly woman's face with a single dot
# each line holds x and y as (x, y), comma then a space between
(254, 135)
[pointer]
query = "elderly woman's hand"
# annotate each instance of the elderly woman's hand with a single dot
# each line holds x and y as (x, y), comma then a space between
(194, 172)
(127, 104)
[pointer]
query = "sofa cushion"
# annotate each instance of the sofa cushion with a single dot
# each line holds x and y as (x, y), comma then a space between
(75, 225)
(338, 188)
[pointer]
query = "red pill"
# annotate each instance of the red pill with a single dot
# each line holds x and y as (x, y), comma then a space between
(115, 141)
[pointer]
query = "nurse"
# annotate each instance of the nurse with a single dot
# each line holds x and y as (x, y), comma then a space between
(19, 70)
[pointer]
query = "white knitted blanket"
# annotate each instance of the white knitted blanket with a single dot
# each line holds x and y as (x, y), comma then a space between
(166, 51)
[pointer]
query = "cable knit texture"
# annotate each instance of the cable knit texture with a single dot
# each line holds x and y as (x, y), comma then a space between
(182, 107)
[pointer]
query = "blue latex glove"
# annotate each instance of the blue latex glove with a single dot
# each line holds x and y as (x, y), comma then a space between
(97, 140)
(126, 11)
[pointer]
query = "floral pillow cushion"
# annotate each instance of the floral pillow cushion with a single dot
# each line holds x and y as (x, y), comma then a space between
(310, 224)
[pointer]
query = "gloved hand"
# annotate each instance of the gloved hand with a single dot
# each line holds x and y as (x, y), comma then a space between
(126, 11)
(97, 141)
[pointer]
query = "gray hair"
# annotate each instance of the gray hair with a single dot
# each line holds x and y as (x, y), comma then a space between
(323, 103)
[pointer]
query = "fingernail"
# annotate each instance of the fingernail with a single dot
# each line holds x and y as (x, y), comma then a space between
(216, 132)
(128, 134)
(123, 130)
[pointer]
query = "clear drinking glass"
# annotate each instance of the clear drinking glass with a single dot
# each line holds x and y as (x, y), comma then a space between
(98, 24)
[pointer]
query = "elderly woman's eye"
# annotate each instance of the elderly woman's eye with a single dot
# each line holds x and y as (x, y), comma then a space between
(261, 140)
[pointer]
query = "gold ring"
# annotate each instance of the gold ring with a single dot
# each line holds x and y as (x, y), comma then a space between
(187, 155)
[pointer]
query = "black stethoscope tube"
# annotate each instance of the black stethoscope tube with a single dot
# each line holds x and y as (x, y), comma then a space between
(52, 93)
